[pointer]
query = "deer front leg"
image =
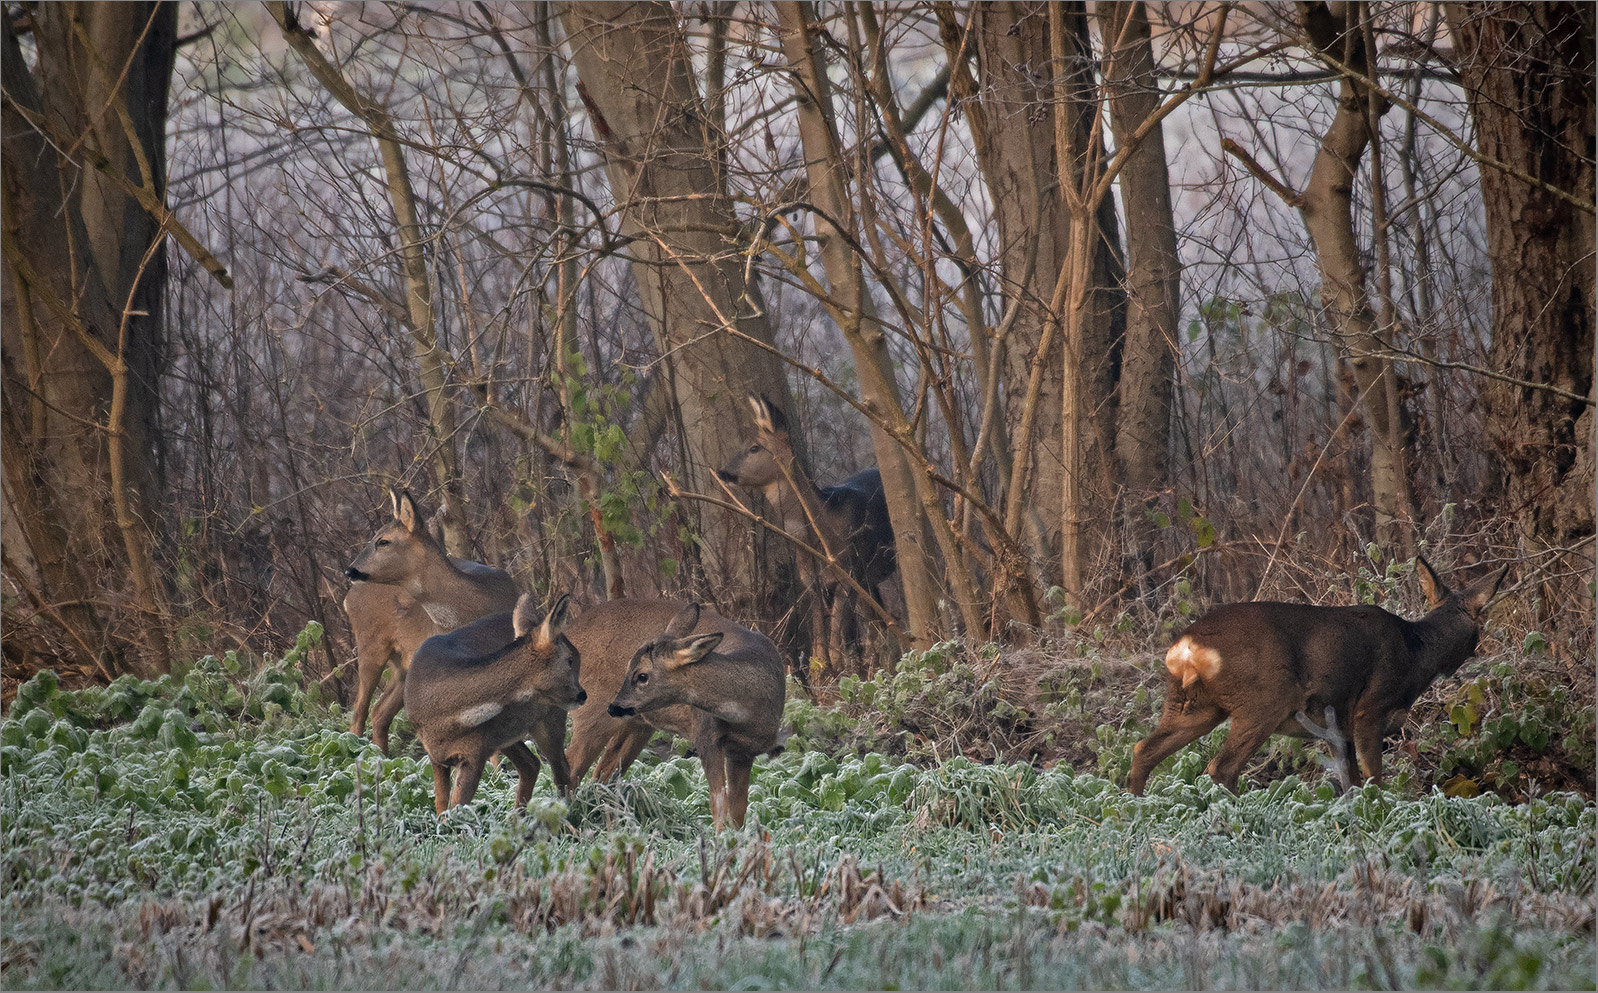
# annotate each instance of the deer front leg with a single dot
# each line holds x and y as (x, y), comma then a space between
(527, 767)
(738, 773)
(1370, 727)
(549, 735)
(715, 763)
(469, 772)
(440, 786)
(387, 708)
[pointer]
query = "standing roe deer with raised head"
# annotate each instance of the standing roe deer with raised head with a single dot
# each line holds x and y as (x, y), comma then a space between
(723, 690)
(406, 590)
(1271, 667)
(487, 687)
(850, 523)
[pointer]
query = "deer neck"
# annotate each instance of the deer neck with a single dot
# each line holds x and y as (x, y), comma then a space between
(788, 503)
(450, 597)
(707, 687)
(1440, 642)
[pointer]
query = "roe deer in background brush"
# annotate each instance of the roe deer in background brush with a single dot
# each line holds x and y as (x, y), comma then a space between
(852, 517)
(406, 591)
(1272, 667)
(728, 703)
(488, 686)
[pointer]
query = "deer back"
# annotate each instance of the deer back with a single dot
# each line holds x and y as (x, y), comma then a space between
(501, 668)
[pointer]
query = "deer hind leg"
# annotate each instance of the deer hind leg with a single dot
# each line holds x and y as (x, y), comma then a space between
(527, 767)
(624, 747)
(549, 735)
(1180, 725)
(820, 637)
(1246, 736)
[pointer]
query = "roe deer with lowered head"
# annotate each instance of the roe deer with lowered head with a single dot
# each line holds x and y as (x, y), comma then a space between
(850, 523)
(487, 687)
(1273, 667)
(406, 590)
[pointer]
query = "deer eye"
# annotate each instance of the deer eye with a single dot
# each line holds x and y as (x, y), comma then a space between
(643, 677)
(754, 448)
(381, 542)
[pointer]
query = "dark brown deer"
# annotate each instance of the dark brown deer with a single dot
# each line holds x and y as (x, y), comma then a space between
(488, 687)
(406, 590)
(848, 521)
(721, 689)
(1274, 668)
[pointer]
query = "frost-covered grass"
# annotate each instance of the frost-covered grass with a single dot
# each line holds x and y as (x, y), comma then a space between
(218, 830)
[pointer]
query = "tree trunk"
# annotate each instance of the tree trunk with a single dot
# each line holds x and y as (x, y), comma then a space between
(1013, 126)
(912, 498)
(636, 79)
(1148, 357)
(83, 337)
(1528, 75)
(1327, 206)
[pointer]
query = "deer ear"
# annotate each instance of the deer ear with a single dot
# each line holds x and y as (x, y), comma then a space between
(1434, 588)
(554, 621)
(1478, 594)
(685, 621)
(690, 652)
(760, 408)
(526, 616)
(406, 513)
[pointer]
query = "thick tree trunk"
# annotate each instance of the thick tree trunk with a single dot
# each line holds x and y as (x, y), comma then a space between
(637, 81)
(1327, 206)
(83, 341)
(1148, 357)
(1528, 75)
(1014, 127)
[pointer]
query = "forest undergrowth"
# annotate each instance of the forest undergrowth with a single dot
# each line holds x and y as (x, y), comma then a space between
(961, 822)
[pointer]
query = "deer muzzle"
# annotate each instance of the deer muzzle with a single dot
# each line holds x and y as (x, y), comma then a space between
(357, 575)
(616, 710)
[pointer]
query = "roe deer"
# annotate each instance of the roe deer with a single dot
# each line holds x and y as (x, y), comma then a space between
(1273, 666)
(665, 664)
(852, 517)
(406, 590)
(488, 686)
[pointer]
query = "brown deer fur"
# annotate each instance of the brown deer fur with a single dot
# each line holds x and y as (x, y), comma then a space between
(1265, 664)
(727, 702)
(848, 520)
(487, 687)
(406, 590)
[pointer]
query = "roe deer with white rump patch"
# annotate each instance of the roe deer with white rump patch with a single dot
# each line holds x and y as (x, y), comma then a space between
(848, 521)
(1273, 668)
(406, 590)
(487, 687)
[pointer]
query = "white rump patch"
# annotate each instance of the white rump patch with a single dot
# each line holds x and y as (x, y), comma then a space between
(482, 712)
(1190, 661)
